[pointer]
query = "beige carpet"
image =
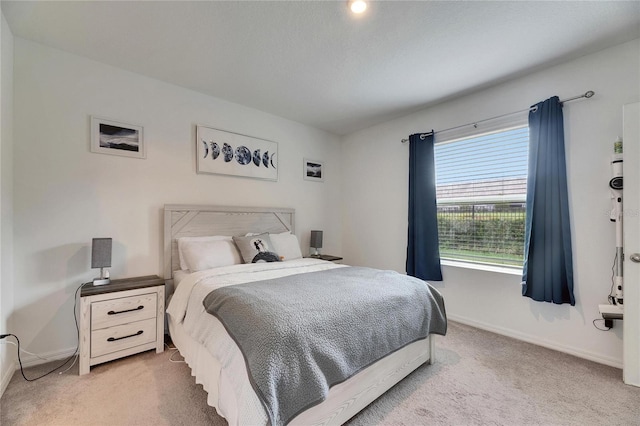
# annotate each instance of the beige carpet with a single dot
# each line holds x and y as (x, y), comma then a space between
(479, 379)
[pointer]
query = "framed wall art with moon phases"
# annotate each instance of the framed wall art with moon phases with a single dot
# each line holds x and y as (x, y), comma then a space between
(227, 153)
(115, 138)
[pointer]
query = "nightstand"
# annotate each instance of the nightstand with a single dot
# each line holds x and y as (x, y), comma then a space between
(121, 318)
(326, 257)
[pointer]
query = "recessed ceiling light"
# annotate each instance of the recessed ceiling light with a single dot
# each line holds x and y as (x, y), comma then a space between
(357, 6)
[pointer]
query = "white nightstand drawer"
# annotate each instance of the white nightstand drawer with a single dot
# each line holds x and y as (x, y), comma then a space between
(121, 337)
(121, 318)
(123, 310)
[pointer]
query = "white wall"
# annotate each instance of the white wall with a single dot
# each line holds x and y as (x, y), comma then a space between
(375, 186)
(7, 361)
(65, 195)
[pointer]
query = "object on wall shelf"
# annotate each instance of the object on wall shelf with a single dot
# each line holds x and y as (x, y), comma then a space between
(316, 242)
(115, 138)
(616, 185)
(233, 154)
(313, 170)
(101, 258)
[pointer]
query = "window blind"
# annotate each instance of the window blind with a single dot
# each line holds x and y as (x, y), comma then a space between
(481, 186)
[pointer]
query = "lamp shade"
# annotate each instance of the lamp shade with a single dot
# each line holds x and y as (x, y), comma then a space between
(101, 253)
(316, 239)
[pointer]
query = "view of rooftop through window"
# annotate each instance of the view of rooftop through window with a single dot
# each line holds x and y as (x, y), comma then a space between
(481, 187)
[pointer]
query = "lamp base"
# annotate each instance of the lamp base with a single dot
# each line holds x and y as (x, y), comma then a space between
(103, 278)
(101, 281)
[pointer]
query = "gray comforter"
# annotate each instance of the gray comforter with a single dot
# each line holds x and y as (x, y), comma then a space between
(304, 333)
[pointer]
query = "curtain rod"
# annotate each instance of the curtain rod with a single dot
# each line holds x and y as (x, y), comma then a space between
(587, 95)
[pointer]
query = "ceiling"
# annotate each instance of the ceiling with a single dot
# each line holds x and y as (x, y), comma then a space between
(316, 63)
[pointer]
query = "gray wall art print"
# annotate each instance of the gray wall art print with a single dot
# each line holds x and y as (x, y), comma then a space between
(227, 153)
(116, 138)
(313, 170)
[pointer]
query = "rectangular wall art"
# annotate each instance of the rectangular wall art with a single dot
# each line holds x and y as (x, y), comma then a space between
(312, 170)
(233, 154)
(112, 137)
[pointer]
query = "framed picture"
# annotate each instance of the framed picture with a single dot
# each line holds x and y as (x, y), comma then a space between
(313, 170)
(227, 153)
(113, 137)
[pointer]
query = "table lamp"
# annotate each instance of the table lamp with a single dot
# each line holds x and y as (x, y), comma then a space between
(101, 258)
(316, 242)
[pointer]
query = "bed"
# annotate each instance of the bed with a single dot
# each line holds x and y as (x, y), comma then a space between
(210, 347)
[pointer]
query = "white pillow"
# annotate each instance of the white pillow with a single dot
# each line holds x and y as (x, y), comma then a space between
(199, 253)
(256, 248)
(286, 245)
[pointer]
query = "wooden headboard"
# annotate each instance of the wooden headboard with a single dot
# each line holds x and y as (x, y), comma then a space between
(184, 220)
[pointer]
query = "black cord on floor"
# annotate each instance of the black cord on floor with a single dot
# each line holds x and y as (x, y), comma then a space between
(75, 317)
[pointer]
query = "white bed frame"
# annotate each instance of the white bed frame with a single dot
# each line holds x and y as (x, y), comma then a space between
(344, 400)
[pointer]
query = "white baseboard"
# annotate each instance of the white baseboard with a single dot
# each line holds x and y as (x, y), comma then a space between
(31, 360)
(612, 362)
(6, 377)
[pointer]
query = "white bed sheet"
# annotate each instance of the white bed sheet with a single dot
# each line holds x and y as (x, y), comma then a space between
(187, 310)
(219, 365)
(178, 276)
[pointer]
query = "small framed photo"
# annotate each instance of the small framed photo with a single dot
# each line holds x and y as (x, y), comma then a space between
(115, 138)
(313, 170)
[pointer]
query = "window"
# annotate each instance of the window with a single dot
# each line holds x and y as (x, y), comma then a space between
(481, 187)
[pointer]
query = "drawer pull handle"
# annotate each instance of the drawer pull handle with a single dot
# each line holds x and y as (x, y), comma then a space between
(128, 310)
(113, 339)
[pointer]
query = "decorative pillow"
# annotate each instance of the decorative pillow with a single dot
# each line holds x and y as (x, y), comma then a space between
(286, 245)
(256, 248)
(199, 253)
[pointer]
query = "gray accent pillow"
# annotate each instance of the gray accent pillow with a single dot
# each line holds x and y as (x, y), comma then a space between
(256, 248)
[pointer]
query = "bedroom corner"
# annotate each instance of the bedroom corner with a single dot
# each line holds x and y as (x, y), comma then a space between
(242, 161)
(493, 300)
(7, 358)
(90, 194)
